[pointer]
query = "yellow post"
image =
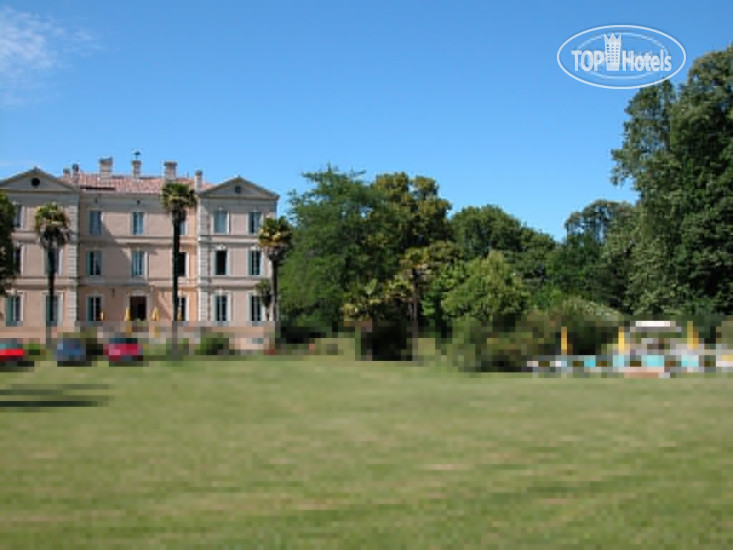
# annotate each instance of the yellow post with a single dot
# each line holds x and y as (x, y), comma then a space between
(128, 319)
(621, 340)
(564, 341)
(692, 341)
(155, 317)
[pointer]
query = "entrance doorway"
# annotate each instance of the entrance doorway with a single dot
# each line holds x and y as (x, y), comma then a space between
(138, 308)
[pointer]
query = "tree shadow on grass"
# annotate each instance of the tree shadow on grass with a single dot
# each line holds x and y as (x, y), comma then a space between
(16, 366)
(36, 397)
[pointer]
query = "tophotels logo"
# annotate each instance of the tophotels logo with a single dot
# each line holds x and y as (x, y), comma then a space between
(621, 56)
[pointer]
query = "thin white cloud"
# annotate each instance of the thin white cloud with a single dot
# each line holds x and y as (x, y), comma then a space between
(31, 48)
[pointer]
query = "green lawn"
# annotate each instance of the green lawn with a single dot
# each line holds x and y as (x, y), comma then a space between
(327, 454)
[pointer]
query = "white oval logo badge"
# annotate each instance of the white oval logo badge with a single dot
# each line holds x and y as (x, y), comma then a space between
(621, 56)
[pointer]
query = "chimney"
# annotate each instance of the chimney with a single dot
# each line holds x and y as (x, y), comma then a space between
(170, 169)
(75, 172)
(67, 173)
(105, 166)
(198, 179)
(136, 168)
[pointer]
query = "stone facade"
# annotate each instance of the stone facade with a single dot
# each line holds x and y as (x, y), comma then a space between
(117, 265)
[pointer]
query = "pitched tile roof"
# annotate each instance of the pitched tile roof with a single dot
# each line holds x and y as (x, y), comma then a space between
(123, 183)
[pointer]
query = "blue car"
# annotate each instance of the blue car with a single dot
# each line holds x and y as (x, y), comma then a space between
(71, 351)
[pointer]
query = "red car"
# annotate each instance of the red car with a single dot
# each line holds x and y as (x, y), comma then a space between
(12, 352)
(123, 348)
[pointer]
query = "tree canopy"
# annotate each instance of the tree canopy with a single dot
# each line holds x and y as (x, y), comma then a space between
(677, 152)
(8, 269)
(51, 224)
(490, 292)
(386, 248)
(351, 240)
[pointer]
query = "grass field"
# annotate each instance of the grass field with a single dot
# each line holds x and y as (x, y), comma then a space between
(327, 454)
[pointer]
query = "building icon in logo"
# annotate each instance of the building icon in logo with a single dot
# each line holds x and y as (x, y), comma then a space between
(613, 51)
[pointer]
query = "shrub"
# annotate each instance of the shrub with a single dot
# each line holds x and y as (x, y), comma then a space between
(479, 347)
(724, 332)
(590, 326)
(535, 335)
(385, 341)
(291, 333)
(465, 347)
(343, 345)
(94, 348)
(36, 349)
(214, 343)
(184, 347)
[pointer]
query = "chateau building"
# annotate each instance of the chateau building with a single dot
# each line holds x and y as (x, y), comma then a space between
(117, 264)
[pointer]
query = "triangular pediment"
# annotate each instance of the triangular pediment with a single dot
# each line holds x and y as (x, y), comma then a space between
(36, 181)
(239, 188)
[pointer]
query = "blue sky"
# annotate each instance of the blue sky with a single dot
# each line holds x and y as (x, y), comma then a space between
(466, 92)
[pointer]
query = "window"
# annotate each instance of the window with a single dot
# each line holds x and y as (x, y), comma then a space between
(94, 308)
(255, 263)
(183, 227)
(18, 259)
(95, 222)
(138, 263)
(221, 222)
(52, 314)
(56, 258)
(18, 220)
(13, 310)
(94, 263)
(255, 308)
(255, 222)
(138, 219)
(221, 308)
(220, 262)
(182, 264)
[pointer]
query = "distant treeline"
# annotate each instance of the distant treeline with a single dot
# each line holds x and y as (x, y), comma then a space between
(386, 251)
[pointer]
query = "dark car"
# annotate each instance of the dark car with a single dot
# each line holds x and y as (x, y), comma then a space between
(12, 353)
(71, 351)
(121, 349)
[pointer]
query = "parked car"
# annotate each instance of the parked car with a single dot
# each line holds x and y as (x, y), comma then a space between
(123, 349)
(12, 353)
(71, 351)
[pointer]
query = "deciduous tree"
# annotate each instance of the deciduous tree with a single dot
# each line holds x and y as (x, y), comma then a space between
(8, 269)
(677, 153)
(491, 292)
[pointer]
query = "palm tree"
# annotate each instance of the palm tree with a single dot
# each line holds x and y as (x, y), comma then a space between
(176, 198)
(264, 291)
(275, 238)
(51, 224)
